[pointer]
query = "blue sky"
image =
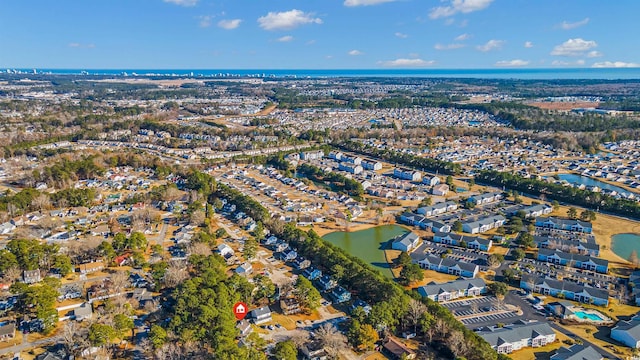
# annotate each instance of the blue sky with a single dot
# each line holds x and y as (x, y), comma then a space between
(318, 34)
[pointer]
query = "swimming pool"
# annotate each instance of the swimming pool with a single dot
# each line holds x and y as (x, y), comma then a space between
(588, 316)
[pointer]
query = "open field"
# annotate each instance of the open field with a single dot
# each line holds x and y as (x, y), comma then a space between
(556, 105)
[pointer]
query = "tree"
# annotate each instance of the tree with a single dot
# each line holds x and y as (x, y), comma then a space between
(157, 335)
(119, 242)
(457, 226)
(7, 260)
(508, 274)
(494, 260)
(62, 263)
(250, 248)
(101, 334)
(525, 240)
(572, 213)
(555, 204)
(122, 324)
(362, 337)
(518, 254)
(264, 288)
(137, 240)
(426, 201)
(285, 350)
(105, 249)
(412, 273)
(331, 339)
(588, 215)
(307, 294)
(499, 289)
(403, 260)
(414, 313)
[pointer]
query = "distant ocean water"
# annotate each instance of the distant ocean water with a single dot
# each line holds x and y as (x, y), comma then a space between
(526, 74)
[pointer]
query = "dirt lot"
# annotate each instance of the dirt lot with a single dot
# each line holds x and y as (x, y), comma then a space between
(564, 105)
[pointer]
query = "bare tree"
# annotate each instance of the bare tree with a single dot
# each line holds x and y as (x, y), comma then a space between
(415, 311)
(119, 281)
(331, 339)
(197, 217)
(199, 249)
(172, 194)
(170, 351)
(69, 335)
(176, 273)
(41, 202)
(12, 274)
(456, 343)
(300, 338)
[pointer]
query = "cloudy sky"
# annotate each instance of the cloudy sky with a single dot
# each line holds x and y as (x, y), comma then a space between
(318, 34)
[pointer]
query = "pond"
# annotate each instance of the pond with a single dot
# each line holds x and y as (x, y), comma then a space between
(579, 179)
(368, 244)
(624, 244)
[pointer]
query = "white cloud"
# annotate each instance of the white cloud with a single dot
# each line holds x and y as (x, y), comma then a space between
(182, 2)
(491, 45)
(229, 24)
(449, 46)
(365, 2)
(287, 20)
(401, 35)
(458, 6)
(615, 64)
(567, 63)
(528, 44)
(568, 26)
(573, 47)
(355, 52)
(79, 45)
(462, 37)
(310, 42)
(285, 38)
(512, 63)
(406, 63)
(594, 53)
(205, 21)
(74, 44)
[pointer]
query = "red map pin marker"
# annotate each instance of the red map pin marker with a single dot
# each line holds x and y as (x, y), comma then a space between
(240, 310)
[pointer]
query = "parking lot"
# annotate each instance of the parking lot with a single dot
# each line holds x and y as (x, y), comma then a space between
(482, 311)
(594, 279)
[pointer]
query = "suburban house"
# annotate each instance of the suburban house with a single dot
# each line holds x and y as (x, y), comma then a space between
(407, 174)
(369, 164)
(484, 224)
(449, 266)
(359, 303)
(31, 276)
(225, 250)
(91, 267)
(311, 273)
(564, 224)
(424, 223)
(568, 290)
(628, 332)
(244, 269)
(340, 294)
(586, 248)
(335, 155)
(453, 290)
(407, 242)
(314, 351)
(260, 315)
(290, 306)
(634, 282)
(437, 209)
(577, 352)
(245, 327)
(300, 263)
(397, 350)
(440, 190)
(485, 198)
(351, 168)
(83, 312)
(326, 283)
(585, 262)
(470, 242)
(515, 337)
(431, 180)
(7, 331)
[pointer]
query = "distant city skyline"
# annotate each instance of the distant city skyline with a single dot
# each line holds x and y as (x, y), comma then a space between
(319, 34)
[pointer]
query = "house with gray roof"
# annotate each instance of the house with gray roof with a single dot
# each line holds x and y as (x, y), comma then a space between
(510, 338)
(574, 260)
(533, 211)
(83, 312)
(485, 198)
(577, 352)
(628, 332)
(567, 245)
(448, 266)
(565, 289)
(260, 315)
(406, 242)
(453, 289)
(564, 224)
(470, 242)
(7, 331)
(484, 224)
(437, 209)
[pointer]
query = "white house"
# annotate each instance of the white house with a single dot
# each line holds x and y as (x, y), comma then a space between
(515, 337)
(350, 168)
(407, 242)
(225, 250)
(440, 190)
(369, 164)
(407, 174)
(431, 180)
